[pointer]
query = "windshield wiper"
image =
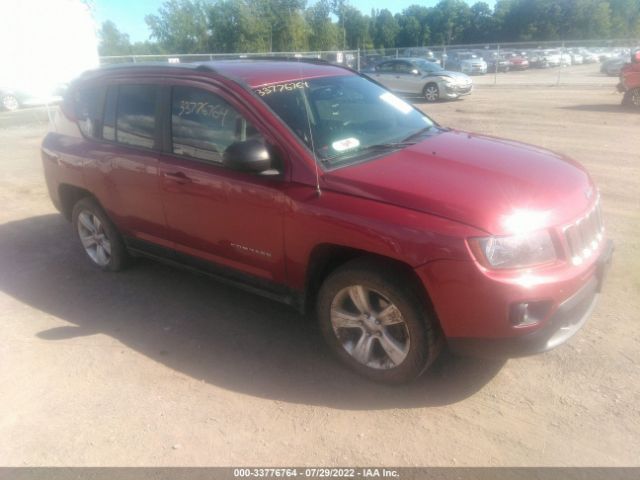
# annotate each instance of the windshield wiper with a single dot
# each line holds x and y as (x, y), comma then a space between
(418, 133)
(367, 148)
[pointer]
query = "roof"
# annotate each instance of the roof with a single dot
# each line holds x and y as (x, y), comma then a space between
(256, 73)
(252, 72)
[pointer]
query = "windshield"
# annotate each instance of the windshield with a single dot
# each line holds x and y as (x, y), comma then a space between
(345, 118)
(427, 66)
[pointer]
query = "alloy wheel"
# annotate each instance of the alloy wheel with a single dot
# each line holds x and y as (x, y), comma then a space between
(370, 327)
(94, 238)
(431, 93)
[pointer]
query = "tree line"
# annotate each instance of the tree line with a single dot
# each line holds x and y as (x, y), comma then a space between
(236, 26)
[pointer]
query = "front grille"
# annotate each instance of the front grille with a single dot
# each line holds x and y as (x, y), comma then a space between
(584, 236)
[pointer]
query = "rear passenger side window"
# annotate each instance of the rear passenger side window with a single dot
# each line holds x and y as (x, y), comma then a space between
(203, 124)
(136, 115)
(387, 67)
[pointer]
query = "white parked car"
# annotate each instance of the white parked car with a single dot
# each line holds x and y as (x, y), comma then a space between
(417, 76)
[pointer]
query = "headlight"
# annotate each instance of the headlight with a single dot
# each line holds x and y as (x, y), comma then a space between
(516, 251)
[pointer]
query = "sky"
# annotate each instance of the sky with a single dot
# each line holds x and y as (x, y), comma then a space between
(128, 15)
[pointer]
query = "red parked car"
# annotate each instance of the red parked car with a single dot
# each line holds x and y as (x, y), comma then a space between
(630, 81)
(312, 185)
(517, 62)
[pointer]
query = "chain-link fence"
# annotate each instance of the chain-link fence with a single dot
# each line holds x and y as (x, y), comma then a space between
(585, 62)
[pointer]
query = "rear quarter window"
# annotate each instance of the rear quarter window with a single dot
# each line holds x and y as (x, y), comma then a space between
(87, 108)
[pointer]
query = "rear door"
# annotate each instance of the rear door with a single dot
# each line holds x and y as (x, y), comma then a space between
(122, 171)
(218, 219)
(407, 81)
(385, 74)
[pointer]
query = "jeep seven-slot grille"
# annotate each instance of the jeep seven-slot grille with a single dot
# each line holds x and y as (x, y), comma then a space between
(584, 236)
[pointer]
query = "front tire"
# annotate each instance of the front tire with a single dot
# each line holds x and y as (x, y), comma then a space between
(98, 236)
(631, 98)
(431, 92)
(374, 322)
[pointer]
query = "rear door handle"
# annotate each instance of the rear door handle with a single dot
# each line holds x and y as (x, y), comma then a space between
(178, 177)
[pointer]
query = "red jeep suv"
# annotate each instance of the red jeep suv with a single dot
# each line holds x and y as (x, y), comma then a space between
(313, 185)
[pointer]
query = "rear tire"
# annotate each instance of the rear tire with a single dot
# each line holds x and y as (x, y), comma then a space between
(374, 321)
(98, 236)
(431, 92)
(10, 102)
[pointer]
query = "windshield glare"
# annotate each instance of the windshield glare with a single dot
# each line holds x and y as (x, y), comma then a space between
(427, 66)
(342, 117)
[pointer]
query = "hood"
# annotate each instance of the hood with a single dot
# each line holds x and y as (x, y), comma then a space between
(460, 77)
(473, 179)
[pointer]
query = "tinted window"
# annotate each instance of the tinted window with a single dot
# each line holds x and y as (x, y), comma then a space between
(109, 121)
(203, 125)
(87, 110)
(404, 67)
(427, 66)
(386, 67)
(136, 120)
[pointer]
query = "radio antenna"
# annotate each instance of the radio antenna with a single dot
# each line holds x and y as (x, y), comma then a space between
(307, 109)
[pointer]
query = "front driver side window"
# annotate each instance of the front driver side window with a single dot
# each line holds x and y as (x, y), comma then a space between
(203, 124)
(386, 67)
(404, 67)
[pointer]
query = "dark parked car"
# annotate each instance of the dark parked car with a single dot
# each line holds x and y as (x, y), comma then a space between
(466, 62)
(613, 66)
(312, 185)
(496, 62)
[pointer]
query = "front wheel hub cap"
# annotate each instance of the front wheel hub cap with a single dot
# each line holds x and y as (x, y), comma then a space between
(369, 327)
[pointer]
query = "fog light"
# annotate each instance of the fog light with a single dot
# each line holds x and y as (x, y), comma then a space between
(528, 313)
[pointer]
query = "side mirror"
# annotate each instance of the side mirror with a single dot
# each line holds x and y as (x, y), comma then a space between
(247, 156)
(415, 71)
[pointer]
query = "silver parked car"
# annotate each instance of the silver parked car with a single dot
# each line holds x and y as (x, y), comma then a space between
(417, 76)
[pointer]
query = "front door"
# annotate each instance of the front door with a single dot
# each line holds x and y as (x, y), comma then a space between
(217, 217)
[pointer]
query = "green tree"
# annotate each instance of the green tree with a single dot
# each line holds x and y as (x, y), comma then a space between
(386, 29)
(236, 26)
(181, 26)
(356, 26)
(482, 24)
(286, 26)
(112, 40)
(448, 21)
(323, 33)
(625, 18)
(421, 14)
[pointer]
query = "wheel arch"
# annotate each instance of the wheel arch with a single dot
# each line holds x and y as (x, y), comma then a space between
(326, 258)
(69, 195)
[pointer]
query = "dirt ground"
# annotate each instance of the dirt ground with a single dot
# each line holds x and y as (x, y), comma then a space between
(159, 367)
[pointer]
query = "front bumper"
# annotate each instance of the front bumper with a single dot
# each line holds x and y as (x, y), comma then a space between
(455, 91)
(566, 321)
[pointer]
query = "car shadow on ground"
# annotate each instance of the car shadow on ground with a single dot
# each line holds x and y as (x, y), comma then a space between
(602, 108)
(204, 329)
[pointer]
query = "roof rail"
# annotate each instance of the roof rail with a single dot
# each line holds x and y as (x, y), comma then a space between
(150, 65)
(284, 58)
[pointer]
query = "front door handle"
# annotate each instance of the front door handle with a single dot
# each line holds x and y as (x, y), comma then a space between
(178, 177)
